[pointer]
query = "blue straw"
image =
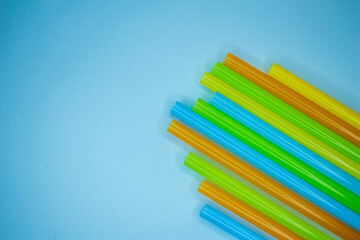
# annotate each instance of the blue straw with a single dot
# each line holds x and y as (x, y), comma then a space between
(285, 142)
(228, 224)
(266, 165)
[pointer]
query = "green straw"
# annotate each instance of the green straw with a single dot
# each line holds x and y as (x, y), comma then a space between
(288, 128)
(286, 111)
(278, 155)
(253, 199)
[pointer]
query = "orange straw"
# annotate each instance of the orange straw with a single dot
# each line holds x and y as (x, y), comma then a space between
(293, 98)
(246, 212)
(260, 180)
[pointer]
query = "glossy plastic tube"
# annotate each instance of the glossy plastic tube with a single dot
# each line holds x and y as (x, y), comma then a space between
(288, 144)
(253, 199)
(266, 165)
(315, 95)
(286, 111)
(228, 224)
(246, 212)
(258, 179)
(294, 99)
(281, 124)
(278, 155)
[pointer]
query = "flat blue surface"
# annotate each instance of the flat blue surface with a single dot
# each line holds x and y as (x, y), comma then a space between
(85, 93)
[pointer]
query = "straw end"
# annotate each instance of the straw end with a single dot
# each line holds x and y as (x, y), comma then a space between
(204, 77)
(176, 106)
(199, 102)
(172, 126)
(204, 210)
(203, 186)
(189, 159)
(228, 57)
(216, 97)
(217, 65)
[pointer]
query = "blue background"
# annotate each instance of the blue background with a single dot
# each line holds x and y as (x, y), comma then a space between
(85, 93)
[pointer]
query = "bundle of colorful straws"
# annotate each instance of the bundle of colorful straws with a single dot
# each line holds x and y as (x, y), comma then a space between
(303, 147)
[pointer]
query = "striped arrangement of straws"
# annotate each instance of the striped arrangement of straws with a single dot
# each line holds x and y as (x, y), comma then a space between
(299, 145)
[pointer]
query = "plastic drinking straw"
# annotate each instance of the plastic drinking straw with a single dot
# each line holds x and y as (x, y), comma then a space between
(260, 180)
(288, 144)
(254, 199)
(266, 165)
(228, 224)
(286, 111)
(278, 155)
(281, 124)
(294, 99)
(315, 95)
(246, 212)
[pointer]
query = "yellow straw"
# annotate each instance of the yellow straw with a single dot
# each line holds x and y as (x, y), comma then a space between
(315, 95)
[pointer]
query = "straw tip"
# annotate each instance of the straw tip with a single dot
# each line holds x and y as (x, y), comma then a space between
(200, 100)
(190, 155)
(175, 106)
(215, 98)
(274, 67)
(198, 103)
(207, 78)
(190, 158)
(204, 77)
(217, 95)
(204, 210)
(172, 125)
(216, 68)
(218, 64)
(203, 185)
(229, 55)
